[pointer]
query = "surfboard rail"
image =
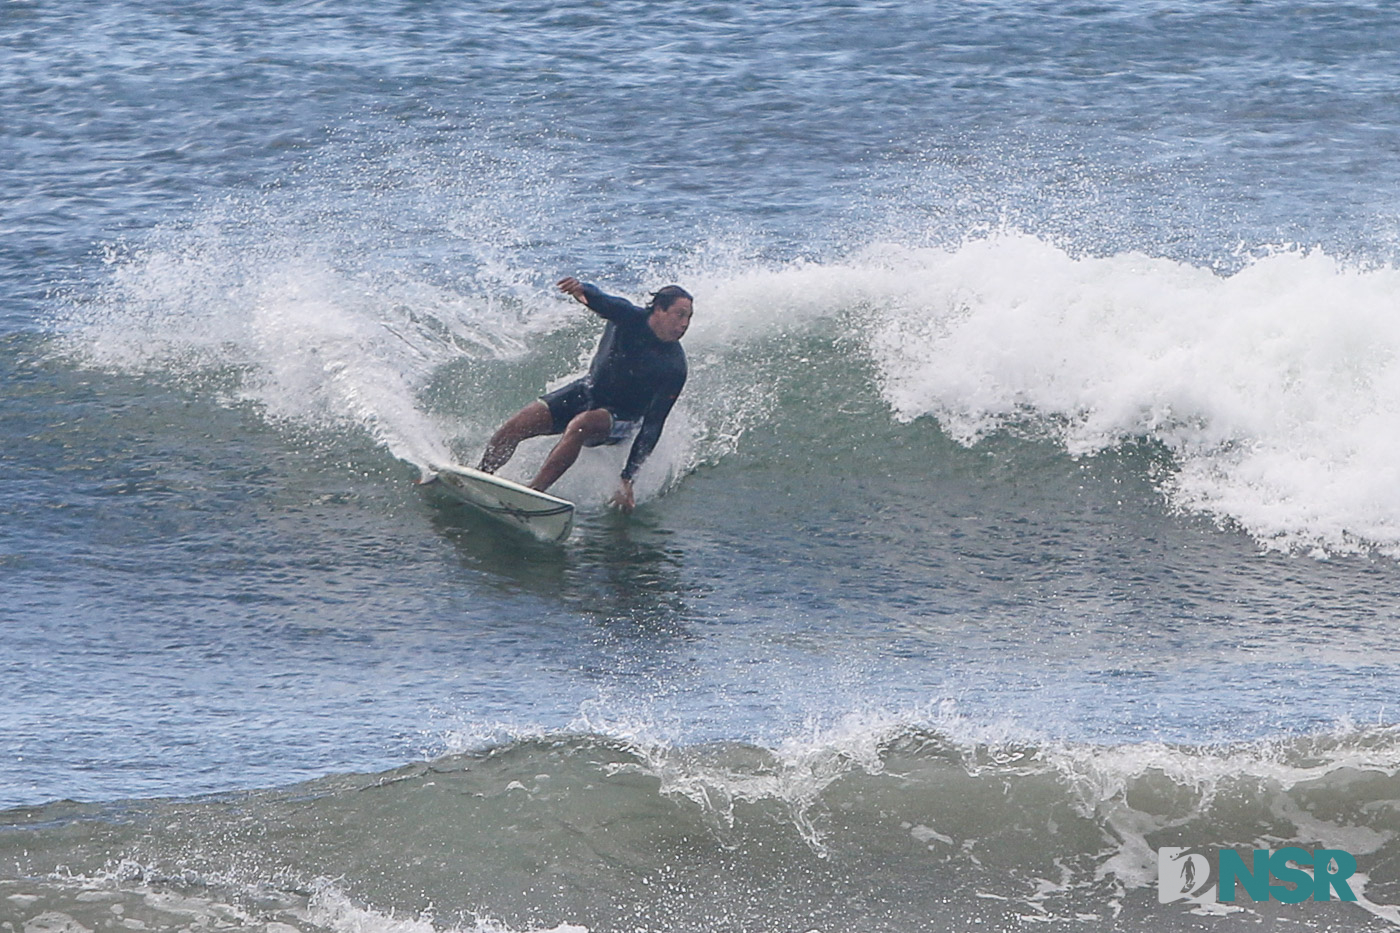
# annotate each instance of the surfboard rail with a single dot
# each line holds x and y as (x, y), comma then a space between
(548, 518)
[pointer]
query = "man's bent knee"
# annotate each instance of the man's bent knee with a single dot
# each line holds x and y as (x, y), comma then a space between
(531, 421)
(591, 425)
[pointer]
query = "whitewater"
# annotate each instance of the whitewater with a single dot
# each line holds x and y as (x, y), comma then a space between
(1031, 506)
(1267, 385)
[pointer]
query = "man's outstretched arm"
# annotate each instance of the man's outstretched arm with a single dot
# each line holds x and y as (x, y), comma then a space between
(604, 305)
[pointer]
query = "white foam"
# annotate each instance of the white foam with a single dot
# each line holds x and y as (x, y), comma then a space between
(313, 343)
(331, 909)
(324, 302)
(1277, 387)
(1101, 780)
(325, 907)
(277, 325)
(54, 922)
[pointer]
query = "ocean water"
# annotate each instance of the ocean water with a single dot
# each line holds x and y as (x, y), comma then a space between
(1033, 503)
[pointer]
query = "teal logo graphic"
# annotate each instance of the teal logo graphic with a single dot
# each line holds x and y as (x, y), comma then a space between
(1290, 875)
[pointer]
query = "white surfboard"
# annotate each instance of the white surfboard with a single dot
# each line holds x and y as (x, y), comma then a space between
(547, 517)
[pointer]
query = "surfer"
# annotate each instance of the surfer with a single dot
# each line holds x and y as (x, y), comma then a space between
(635, 377)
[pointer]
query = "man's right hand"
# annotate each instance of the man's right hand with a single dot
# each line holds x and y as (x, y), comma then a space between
(572, 286)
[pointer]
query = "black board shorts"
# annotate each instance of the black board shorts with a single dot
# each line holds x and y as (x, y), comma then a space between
(568, 402)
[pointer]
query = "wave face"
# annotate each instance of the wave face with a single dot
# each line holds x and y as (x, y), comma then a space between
(1271, 387)
(882, 827)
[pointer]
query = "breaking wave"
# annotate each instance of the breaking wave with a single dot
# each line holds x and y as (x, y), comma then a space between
(1272, 386)
(603, 832)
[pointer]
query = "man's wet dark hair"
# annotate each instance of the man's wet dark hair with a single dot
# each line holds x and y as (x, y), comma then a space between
(662, 300)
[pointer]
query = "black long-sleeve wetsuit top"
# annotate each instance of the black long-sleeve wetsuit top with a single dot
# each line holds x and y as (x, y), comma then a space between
(634, 374)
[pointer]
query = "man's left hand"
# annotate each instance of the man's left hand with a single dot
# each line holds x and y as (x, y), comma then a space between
(624, 499)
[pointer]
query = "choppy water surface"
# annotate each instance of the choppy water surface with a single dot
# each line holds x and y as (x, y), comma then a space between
(1032, 503)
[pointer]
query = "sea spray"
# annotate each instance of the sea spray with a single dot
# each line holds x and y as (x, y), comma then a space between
(1272, 386)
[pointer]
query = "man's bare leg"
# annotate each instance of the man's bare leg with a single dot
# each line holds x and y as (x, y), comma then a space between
(590, 426)
(531, 421)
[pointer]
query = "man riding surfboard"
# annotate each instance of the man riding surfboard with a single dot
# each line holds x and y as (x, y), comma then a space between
(636, 376)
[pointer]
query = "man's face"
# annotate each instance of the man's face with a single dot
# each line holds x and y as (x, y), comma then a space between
(671, 324)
